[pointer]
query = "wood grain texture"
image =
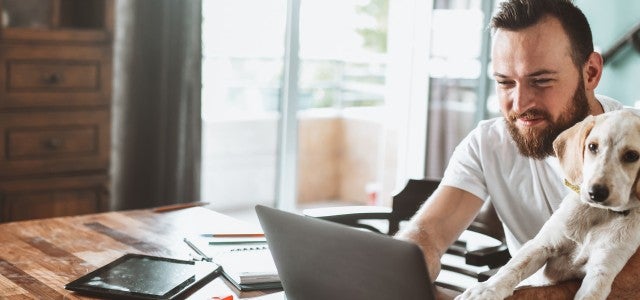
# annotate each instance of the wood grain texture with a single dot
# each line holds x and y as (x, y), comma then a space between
(38, 257)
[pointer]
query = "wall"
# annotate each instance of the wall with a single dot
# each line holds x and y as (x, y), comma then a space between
(320, 149)
(339, 155)
(609, 21)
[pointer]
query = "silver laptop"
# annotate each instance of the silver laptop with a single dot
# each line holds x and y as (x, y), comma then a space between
(317, 259)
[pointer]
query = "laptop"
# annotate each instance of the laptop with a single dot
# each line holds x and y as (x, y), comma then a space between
(318, 259)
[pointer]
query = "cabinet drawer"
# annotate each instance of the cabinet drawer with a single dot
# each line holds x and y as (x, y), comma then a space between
(52, 197)
(40, 142)
(45, 143)
(54, 76)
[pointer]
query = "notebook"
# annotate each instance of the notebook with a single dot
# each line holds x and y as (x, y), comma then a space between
(248, 267)
(318, 259)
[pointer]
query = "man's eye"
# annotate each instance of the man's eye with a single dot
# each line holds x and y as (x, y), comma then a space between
(542, 81)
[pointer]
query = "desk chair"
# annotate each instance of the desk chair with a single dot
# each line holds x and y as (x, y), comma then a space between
(405, 204)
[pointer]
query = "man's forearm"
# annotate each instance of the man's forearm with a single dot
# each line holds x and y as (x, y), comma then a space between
(421, 238)
(438, 222)
(625, 286)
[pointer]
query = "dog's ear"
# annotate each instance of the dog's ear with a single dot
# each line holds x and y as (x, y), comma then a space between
(637, 185)
(569, 148)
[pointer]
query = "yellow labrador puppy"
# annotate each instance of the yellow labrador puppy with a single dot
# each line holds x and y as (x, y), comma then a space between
(596, 229)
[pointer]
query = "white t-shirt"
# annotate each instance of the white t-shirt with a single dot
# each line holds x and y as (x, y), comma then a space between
(524, 191)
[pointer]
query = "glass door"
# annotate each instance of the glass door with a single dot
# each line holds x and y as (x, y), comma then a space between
(243, 48)
(308, 102)
(341, 119)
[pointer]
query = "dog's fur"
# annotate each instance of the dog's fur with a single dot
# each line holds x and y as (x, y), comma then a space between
(585, 238)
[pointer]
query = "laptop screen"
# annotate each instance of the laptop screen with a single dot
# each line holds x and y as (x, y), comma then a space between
(317, 259)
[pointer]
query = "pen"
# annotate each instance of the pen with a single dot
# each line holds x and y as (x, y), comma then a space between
(194, 248)
(178, 206)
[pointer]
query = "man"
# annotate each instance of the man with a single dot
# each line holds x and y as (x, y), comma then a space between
(546, 72)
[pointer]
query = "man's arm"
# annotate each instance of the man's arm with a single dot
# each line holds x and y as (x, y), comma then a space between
(625, 286)
(439, 222)
(562, 290)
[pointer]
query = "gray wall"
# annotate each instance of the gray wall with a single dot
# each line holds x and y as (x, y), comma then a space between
(609, 21)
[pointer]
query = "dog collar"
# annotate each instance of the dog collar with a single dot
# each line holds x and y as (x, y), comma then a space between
(573, 187)
(623, 213)
(576, 188)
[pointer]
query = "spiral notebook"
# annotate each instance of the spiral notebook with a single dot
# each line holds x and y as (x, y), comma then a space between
(249, 267)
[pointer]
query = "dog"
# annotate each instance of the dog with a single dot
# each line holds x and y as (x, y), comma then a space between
(596, 229)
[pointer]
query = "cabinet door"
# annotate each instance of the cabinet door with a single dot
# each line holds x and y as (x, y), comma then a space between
(57, 20)
(52, 197)
(54, 76)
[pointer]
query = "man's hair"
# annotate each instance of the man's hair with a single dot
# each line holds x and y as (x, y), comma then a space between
(519, 14)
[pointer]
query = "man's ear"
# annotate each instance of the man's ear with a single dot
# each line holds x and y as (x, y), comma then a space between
(592, 71)
(569, 149)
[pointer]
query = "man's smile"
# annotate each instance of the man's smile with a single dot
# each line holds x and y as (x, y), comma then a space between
(530, 121)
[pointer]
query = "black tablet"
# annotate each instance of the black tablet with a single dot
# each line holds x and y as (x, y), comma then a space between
(136, 276)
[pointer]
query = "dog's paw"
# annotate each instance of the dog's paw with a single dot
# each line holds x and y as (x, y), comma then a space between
(484, 291)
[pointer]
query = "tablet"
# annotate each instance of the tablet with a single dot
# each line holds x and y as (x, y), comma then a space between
(136, 276)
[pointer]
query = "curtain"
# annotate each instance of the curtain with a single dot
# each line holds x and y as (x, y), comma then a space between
(156, 103)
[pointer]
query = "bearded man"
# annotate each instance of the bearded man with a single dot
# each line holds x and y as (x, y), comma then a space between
(546, 71)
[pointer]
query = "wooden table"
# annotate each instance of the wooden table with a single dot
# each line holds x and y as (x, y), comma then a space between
(38, 257)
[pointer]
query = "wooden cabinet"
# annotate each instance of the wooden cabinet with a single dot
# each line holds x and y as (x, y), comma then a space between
(55, 107)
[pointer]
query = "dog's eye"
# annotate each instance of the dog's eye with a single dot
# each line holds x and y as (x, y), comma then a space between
(631, 156)
(593, 148)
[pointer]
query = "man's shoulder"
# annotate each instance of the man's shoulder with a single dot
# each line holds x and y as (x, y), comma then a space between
(487, 135)
(609, 104)
(493, 122)
(492, 129)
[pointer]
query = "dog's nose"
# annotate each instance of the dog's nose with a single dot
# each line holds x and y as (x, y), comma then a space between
(598, 193)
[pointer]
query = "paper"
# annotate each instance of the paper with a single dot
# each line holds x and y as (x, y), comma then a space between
(236, 240)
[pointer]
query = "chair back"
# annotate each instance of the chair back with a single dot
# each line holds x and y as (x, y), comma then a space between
(408, 201)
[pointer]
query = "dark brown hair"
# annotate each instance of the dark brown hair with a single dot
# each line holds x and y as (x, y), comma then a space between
(519, 14)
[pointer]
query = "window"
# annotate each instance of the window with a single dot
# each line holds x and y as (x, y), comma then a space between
(243, 50)
(360, 100)
(459, 84)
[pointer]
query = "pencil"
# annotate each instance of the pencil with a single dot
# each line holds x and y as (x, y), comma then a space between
(178, 206)
(238, 235)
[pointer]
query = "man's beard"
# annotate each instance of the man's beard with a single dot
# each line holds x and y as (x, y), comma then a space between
(537, 143)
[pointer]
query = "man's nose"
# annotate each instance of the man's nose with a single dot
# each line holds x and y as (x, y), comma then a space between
(522, 98)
